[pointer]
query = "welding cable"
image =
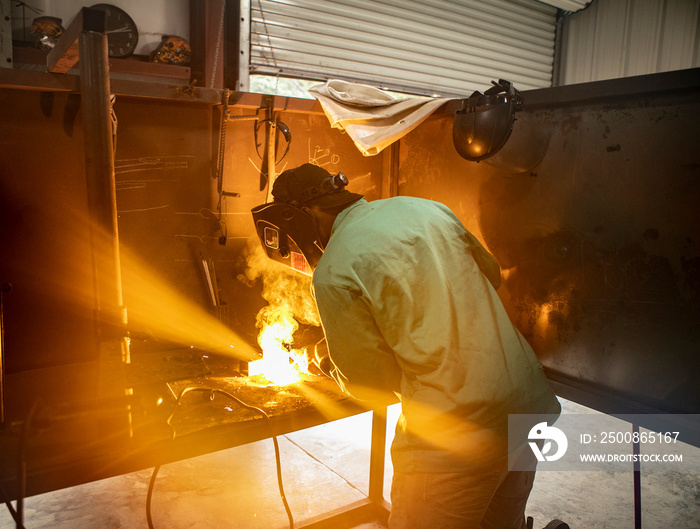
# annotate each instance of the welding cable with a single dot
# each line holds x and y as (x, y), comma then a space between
(212, 392)
(281, 127)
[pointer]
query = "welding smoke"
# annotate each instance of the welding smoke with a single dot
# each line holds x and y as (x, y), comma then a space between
(288, 293)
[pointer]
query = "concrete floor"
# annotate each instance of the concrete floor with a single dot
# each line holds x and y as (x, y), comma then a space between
(325, 468)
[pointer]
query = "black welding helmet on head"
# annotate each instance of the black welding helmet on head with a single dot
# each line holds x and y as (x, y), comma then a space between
(485, 121)
(287, 231)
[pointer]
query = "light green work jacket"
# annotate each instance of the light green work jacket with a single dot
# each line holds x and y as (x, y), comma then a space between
(407, 307)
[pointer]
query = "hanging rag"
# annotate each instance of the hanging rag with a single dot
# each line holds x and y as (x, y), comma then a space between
(373, 118)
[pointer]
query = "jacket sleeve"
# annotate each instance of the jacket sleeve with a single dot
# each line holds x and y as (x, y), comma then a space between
(364, 366)
(484, 260)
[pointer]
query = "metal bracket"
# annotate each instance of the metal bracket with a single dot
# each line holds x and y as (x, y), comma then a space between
(66, 53)
(6, 34)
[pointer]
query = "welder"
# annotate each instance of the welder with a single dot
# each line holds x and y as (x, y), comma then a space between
(407, 299)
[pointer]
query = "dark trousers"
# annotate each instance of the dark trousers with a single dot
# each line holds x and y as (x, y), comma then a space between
(489, 498)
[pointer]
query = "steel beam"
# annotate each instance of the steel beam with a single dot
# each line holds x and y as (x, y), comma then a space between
(207, 19)
(65, 54)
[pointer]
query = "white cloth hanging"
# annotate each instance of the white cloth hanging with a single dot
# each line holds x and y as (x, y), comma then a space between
(373, 118)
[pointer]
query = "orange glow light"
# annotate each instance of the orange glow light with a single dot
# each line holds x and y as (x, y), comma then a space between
(279, 365)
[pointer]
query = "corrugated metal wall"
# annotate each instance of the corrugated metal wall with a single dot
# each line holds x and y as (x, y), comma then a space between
(428, 46)
(622, 38)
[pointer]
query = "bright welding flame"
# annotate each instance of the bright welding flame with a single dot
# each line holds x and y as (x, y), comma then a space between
(279, 364)
(290, 303)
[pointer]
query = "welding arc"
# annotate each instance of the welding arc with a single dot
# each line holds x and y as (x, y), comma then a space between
(213, 392)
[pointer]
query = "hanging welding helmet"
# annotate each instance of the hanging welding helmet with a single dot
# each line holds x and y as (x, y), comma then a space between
(286, 229)
(484, 123)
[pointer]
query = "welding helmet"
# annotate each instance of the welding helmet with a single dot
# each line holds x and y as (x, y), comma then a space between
(485, 121)
(286, 229)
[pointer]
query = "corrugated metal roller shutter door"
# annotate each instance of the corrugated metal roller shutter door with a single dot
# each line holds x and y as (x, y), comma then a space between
(622, 38)
(430, 46)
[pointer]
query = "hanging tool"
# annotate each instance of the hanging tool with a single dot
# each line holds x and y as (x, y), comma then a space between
(219, 173)
(273, 126)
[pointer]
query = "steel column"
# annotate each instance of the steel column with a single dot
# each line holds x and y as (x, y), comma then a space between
(99, 169)
(376, 464)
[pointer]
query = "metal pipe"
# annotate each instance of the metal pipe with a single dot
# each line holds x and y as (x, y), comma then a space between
(101, 187)
(99, 129)
(377, 454)
(637, 478)
(3, 290)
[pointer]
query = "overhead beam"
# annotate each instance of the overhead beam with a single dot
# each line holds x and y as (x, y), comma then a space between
(66, 53)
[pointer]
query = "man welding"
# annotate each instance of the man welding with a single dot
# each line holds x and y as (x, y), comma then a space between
(407, 299)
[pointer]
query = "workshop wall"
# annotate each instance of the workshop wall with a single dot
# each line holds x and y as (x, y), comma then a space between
(591, 210)
(312, 141)
(171, 220)
(44, 236)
